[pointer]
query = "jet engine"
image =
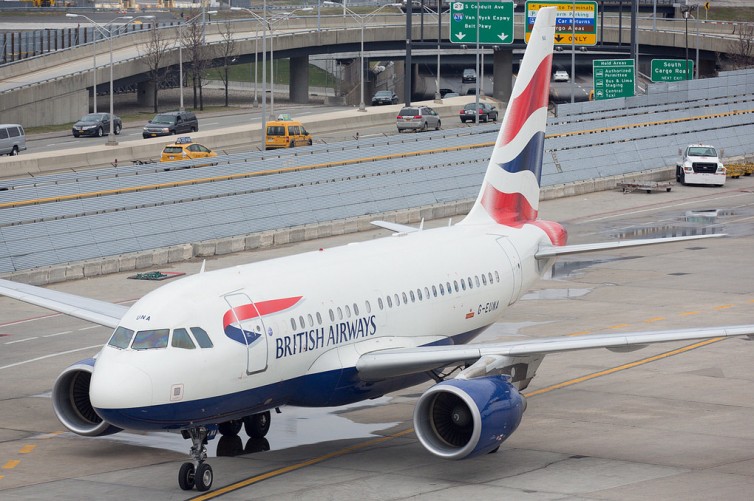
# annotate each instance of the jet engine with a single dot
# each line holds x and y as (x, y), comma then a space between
(462, 418)
(70, 399)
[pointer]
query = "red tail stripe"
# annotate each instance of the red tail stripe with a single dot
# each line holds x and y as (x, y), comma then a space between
(535, 96)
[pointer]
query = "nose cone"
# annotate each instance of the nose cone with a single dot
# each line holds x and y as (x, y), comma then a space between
(118, 385)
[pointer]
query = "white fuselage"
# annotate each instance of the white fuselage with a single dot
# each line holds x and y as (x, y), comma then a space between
(318, 313)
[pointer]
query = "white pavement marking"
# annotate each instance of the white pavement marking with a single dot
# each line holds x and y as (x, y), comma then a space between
(22, 340)
(49, 356)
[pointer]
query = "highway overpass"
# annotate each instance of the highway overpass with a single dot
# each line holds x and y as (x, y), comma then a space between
(55, 88)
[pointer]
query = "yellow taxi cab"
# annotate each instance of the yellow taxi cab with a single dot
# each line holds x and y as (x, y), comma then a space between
(184, 149)
(285, 133)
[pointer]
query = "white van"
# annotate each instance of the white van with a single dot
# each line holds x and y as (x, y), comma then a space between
(12, 139)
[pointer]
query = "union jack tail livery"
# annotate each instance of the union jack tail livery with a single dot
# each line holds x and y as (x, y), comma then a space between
(510, 191)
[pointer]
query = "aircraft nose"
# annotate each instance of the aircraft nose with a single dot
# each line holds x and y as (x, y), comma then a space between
(119, 386)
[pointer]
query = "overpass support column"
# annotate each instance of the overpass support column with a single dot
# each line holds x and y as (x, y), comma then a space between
(145, 93)
(502, 74)
(299, 88)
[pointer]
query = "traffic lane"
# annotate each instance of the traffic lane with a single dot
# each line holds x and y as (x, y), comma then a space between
(133, 130)
(385, 464)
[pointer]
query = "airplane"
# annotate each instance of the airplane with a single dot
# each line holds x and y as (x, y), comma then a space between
(217, 351)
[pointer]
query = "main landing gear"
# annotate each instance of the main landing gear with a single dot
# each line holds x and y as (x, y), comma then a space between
(201, 475)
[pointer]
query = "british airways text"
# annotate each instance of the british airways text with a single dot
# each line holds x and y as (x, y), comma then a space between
(322, 336)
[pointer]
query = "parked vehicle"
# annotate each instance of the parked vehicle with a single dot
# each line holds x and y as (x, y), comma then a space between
(286, 134)
(96, 124)
(486, 112)
(183, 149)
(445, 92)
(172, 122)
(418, 118)
(469, 75)
(560, 76)
(700, 164)
(384, 97)
(12, 139)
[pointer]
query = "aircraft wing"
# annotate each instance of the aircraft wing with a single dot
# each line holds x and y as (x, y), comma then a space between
(402, 361)
(93, 310)
(549, 251)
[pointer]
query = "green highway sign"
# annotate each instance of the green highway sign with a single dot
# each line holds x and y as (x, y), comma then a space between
(613, 78)
(672, 70)
(576, 22)
(495, 20)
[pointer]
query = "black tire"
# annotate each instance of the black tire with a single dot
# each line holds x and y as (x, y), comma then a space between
(677, 173)
(494, 119)
(425, 127)
(186, 476)
(194, 129)
(100, 132)
(13, 152)
(682, 180)
(439, 124)
(486, 118)
(258, 425)
(292, 145)
(116, 129)
(76, 134)
(230, 428)
(203, 477)
(310, 142)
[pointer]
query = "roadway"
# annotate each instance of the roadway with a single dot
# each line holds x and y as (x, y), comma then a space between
(677, 427)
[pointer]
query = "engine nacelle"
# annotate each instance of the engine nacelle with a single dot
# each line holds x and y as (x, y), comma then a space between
(70, 399)
(461, 418)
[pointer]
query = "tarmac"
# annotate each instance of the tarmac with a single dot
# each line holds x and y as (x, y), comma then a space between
(665, 423)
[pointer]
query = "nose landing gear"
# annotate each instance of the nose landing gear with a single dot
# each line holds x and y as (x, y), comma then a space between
(201, 475)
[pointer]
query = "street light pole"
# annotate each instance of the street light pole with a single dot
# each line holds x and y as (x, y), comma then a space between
(111, 133)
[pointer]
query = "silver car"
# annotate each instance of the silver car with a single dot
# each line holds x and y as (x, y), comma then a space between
(418, 118)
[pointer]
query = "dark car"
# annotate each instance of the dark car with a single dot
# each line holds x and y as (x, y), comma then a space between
(384, 97)
(443, 92)
(486, 111)
(96, 124)
(469, 75)
(172, 122)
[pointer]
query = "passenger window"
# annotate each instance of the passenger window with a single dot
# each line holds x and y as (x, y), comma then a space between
(476, 279)
(497, 276)
(442, 290)
(463, 284)
(455, 283)
(151, 339)
(411, 294)
(332, 316)
(397, 300)
(419, 294)
(293, 323)
(355, 309)
(181, 339)
(348, 311)
(471, 284)
(121, 338)
(379, 303)
(434, 291)
(319, 319)
(340, 313)
(301, 321)
(489, 276)
(202, 338)
(369, 307)
(310, 318)
(426, 292)
(389, 302)
(484, 279)
(447, 285)
(405, 298)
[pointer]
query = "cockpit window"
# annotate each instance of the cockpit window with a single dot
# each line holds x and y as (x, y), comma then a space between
(147, 340)
(201, 337)
(121, 338)
(181, 339)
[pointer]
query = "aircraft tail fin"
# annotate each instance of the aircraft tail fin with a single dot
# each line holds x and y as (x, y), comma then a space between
(510, 191)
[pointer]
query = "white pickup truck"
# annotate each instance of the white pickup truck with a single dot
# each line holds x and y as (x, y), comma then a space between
(700, 164)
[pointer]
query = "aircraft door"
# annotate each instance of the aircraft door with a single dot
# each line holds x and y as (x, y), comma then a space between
(515, 263)
(243, 323)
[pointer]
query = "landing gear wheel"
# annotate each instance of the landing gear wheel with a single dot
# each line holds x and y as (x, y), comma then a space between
(203, 477)
(258, 425)
(186, 476)
(230, 428)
